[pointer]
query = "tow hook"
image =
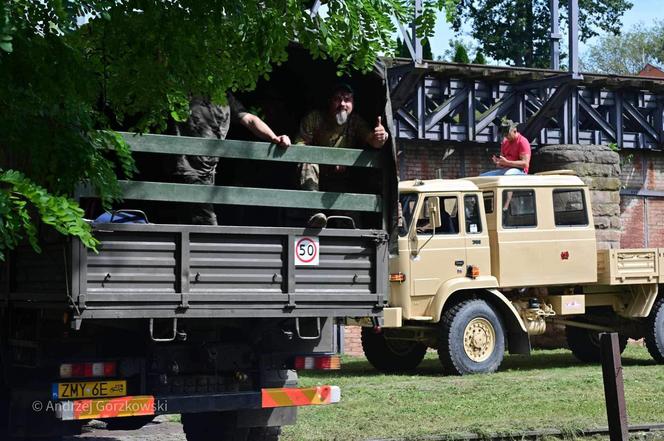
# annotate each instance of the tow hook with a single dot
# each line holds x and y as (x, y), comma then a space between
(376, 325)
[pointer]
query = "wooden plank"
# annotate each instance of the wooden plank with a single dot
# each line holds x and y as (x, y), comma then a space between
(264, 197)
(614, 388)
(264, 151)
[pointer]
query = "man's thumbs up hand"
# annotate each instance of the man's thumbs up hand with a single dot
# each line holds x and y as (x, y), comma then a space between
(379, 135)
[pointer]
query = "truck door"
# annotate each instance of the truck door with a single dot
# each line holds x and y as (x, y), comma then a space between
(476, 234)
(439, 253)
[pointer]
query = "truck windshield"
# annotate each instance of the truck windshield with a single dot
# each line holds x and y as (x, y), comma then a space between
(407, 204)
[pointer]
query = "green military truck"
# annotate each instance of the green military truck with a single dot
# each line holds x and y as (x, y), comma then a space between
(484, 263)
(210, 322)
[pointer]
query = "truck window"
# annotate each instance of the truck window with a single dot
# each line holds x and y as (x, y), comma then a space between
(569, 208)
(472, 211)
(520, 209)
(449, 206)
(407, 204)
(488, 202)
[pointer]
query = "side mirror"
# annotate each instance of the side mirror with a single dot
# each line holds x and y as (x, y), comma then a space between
(414, 243)
(433, 206)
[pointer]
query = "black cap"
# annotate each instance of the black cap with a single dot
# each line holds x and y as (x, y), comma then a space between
(342, 87)
(506, 125)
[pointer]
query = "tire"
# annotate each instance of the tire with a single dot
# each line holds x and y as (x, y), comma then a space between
(655, 331)
(391, 356)
(128, 423)
(472, 339)
(584, 344)
(207, 427)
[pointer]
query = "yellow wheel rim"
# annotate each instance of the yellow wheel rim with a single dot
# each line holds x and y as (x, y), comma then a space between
(479, 339)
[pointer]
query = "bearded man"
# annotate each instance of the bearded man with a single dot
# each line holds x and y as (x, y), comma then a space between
(336, 127)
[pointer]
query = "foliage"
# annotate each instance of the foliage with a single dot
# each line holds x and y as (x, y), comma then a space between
(628, 53)
(460, 54)
(133, 64)
(461, 49)
(427, 53)
(517, 31)
(19, 196)
(403, 52)
(402, 49)
(479, 58)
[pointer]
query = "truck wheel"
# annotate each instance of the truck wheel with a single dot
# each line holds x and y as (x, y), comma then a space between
(655, 331)
(206, 427)
(472, 340)
(584, 344)
(391, 355)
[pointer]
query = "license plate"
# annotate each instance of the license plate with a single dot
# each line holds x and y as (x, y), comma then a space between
(89, 389)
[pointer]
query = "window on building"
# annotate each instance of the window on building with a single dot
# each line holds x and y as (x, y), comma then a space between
(569, 208)
(519, 211)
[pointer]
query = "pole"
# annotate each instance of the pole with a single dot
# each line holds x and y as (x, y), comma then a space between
(555, 34)
(574, 38)
(614, 388)
(417, 42)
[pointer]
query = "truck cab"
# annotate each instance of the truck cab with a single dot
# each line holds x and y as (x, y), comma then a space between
(443, 231)
(483, 263)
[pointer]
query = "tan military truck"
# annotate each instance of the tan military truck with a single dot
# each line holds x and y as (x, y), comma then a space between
(484, 263)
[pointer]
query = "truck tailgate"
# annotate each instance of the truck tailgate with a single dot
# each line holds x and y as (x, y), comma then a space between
(219, 271)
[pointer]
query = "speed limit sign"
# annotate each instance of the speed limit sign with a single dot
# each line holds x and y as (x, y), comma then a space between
(306, 251)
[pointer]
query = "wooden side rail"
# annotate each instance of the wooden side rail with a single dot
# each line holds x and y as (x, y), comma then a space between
(265, 197)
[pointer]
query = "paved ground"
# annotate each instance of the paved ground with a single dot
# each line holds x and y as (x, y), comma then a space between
(161, 429)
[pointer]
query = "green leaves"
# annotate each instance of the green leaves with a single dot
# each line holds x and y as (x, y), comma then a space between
(73, 71)
(517, 31)
(20, 198)
(628, 53)
(6, 31)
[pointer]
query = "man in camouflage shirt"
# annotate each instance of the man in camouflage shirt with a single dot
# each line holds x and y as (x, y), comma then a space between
(336, 127)
(209, 120)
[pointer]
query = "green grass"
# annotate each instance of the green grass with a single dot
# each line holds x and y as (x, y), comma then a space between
(549, 389)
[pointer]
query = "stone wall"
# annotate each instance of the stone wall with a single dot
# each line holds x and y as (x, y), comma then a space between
(599, 167)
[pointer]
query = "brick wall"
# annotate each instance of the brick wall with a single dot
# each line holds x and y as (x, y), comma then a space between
(352, 340)
(642, 215)
(422, 160)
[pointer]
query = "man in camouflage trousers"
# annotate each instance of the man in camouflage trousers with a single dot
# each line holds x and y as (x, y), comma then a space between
(336, 127)
(209, 120)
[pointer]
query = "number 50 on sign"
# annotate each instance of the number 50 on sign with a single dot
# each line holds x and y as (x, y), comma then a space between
(306, 251)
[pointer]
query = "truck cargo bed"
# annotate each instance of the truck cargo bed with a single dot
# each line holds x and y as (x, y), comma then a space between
(628, 266)
(163, 271)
